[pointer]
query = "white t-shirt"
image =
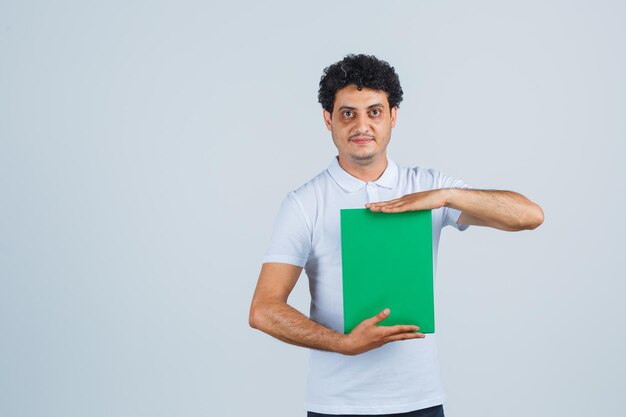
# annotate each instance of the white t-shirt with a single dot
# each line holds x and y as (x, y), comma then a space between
(400, 376)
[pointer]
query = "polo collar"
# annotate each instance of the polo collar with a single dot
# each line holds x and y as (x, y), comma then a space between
(389, 179)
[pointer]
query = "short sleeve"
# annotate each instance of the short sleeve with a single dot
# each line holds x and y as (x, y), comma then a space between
(450, 215)
(291, 237)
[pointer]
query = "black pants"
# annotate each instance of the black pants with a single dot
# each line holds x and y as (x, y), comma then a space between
(436, 411)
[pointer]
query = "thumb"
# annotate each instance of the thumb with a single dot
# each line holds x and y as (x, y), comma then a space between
(381, 316)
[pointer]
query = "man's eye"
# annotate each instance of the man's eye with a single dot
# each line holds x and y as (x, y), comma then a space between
(347, 113)
(375, 112)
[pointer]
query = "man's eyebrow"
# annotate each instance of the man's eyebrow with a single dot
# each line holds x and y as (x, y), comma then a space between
(354, 108)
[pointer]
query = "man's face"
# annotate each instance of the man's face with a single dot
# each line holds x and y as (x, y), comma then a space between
(361, 124)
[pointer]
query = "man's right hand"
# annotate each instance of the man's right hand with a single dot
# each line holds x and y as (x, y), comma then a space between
(270, 313)
(367, 336)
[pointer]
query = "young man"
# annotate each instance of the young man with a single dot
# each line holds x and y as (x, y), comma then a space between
(363, 373)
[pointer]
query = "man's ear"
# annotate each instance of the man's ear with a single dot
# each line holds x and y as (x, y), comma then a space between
(327, 118)
(394, 113)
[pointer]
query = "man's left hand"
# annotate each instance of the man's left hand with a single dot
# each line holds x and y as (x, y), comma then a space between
(424, 200)
(500, 209)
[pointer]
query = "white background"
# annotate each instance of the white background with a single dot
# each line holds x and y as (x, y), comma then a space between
(145, 148)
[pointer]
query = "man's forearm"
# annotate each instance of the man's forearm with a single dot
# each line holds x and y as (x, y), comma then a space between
(291, 326)
(506, 210)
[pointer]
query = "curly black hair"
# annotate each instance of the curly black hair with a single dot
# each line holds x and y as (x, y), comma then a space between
(362, 71)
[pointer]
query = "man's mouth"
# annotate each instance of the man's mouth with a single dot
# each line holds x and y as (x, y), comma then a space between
(361, 140)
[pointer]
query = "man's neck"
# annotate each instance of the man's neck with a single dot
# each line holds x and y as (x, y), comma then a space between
(365, 172)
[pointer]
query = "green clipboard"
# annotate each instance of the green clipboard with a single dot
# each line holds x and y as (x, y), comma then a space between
(387, 262)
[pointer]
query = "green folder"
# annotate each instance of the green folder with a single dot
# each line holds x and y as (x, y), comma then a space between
(387, 261)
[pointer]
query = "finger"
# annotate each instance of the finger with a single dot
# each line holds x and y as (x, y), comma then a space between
(378, 209)
(375, 208)
(394, 203)
(404, 336)
(381, 203)
(399, 328)
(379, 317)
(400, 202)
(395, 209)
(388, 206)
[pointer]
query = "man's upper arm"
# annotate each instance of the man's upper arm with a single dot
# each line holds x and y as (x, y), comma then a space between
(286, 256)
(291, 237)
(276, 281)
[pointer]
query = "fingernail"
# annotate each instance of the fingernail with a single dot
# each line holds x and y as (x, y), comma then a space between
(387, 311)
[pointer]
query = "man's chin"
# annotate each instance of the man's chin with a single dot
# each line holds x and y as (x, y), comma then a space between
(363, 157)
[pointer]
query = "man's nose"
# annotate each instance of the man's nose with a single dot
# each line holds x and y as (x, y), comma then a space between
(362, 124)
